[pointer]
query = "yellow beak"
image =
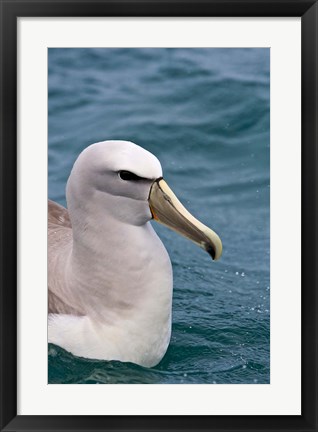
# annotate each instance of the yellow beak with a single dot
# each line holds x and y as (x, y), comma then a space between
(168, 210)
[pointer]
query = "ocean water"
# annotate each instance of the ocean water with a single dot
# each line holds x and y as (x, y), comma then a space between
(205, 113)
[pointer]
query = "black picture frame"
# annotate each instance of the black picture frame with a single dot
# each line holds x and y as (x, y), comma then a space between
(10, 11)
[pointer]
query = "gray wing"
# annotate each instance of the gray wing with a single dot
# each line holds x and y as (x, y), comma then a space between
(58, 215)
(59, 225)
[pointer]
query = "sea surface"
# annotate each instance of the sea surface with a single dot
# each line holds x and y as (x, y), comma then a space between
(205, 113)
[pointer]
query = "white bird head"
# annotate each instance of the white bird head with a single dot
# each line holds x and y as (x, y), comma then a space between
(123, 181)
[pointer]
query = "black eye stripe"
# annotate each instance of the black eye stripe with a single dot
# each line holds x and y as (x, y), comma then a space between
(127, 175)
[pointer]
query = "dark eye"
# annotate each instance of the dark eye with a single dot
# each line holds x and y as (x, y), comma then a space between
(127, 175)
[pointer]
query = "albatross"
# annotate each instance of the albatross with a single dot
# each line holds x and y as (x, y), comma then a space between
(110, 277)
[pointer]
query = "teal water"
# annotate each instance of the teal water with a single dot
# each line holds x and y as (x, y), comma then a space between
(205, 114)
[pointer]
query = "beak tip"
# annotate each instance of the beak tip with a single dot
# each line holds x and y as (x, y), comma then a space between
(211, 251)
(215, 250)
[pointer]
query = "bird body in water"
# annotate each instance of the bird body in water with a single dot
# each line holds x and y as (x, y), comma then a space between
(109, 275)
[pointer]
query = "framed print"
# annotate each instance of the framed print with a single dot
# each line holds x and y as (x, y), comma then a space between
(114, 101)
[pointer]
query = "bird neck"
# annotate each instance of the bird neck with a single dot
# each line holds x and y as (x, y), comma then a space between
(120, 270)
